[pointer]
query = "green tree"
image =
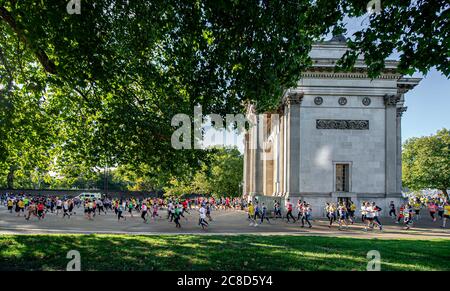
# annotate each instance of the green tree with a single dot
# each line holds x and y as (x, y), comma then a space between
(226, 172)
(426, 162)
(100, 88)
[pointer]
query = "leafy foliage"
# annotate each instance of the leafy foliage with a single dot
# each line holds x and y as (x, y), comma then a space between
(99, 89)
(426, 162)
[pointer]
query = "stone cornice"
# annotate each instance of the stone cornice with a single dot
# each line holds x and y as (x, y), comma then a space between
(406, 84)
(321, 73)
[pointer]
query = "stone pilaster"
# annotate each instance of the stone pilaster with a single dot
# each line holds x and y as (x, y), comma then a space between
(391, 150)
(292, 155)
(400, 111)
(257, 157)
(246, 185)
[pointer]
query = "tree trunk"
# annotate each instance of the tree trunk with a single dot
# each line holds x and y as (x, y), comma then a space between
(10, 178)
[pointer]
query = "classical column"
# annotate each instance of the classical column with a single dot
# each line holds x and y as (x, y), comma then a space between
(282, 155)
(292, 125)
(277, 161)
(257, 158)
(400, 111)
(391, 143)
(246, 186)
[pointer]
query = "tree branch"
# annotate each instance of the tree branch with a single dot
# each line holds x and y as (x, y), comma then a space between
(48, 65)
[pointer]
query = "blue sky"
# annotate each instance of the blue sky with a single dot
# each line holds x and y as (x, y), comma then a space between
(428, 106)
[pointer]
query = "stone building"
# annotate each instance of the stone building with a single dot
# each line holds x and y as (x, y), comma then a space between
(336, 136)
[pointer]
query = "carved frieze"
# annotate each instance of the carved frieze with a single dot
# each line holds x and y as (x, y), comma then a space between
(342, 124)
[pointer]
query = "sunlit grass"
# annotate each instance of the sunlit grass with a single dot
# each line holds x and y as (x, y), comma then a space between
(196, 252)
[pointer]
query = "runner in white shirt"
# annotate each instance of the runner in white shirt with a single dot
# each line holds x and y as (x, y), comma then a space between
(363, 211)
(369, 216)
(202, 220)
(66, 209)
(58, 206)
(169, 211)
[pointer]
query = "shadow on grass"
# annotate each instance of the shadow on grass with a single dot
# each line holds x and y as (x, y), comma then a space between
(236, 253)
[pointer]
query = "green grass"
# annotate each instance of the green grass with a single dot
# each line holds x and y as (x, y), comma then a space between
(196, 252)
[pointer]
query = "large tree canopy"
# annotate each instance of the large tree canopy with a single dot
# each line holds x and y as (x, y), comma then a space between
(101, 87)
(426, 162)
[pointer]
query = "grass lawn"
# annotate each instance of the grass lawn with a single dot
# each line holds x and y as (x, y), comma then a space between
(235, 253)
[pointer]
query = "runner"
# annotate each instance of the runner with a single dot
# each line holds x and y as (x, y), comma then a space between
(58, 206)
(363, 211)
(277, 209)
(392, 213)
(417, 206)
(176, 216)
(120, 210)
(306, 214)
(202, 221)
(18, 207)
(342, 211)
(256, 214)
(65, 207)
(170, 210)
(71, 207)
(40, 210)
(352, 210)
(289, 210)
(10, 205)
(331, 213)
(31, 210)
(407, 216)
(440, 208)
(144, 211)
(376, 212)
(299, 209)
(130, 208)
(100, 206)
(432, 208)
(155, 211)
(264, 213)
(369, 217)
(446, 214)
(251, 214)
(208, 211)
(90, 206)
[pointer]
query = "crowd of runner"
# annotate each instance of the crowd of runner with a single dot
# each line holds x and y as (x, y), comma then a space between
(146, 208)
(343, 213)
(174, 209)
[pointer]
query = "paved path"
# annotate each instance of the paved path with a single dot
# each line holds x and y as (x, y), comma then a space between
(225, 222)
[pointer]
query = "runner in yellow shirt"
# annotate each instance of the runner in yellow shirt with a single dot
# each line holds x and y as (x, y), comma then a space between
(251, 213)
(10, 205)
(21, 207)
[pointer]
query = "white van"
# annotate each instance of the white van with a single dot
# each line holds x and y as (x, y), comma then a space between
(91, 196)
